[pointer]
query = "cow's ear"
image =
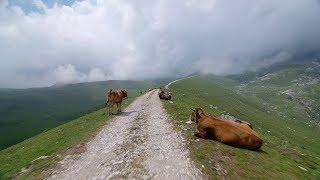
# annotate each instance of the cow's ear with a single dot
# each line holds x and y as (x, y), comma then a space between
(201, 111)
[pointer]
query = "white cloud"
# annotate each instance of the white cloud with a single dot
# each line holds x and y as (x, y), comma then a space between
(204, 5)
(40, 5)
(69, 74)
(96, 74)
(121, 39)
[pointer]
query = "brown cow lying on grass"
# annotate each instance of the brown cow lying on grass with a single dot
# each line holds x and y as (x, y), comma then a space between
(115, 97)
(228, 132)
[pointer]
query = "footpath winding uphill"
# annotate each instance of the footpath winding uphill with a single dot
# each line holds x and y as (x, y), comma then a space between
(138, 143)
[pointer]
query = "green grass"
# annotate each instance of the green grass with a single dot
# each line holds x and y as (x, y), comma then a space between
(288, 143)
(55, 143)
(27, 112)
(301, 82)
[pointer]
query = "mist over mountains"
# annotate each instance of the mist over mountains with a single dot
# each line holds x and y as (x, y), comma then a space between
(50, 43)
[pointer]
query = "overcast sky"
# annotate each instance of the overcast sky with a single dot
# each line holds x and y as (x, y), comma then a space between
(47, 42)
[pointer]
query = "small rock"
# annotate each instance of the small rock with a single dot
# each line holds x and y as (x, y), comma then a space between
(213, 107)
(302, 168)
(118, 162)
(189, 122)
(39, 158)
(228, 117)
(170, 102)
(23, 170)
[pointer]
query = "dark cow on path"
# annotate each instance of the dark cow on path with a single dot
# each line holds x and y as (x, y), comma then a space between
(164, 95)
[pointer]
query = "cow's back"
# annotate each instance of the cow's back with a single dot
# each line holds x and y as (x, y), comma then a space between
(232, 133)
(115, 96)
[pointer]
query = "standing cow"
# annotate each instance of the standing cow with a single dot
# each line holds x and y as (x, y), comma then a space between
(115, 96)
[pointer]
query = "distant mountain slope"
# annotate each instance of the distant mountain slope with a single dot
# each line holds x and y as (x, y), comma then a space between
(293, 89)
(26, 112)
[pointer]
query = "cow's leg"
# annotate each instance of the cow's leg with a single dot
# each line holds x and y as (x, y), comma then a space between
(120, 107)
(200, 134)
(110, 108)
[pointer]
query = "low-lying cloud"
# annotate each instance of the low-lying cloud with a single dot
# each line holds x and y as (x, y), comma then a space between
(121, 39)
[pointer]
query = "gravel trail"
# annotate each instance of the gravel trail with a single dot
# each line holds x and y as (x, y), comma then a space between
(139, 143)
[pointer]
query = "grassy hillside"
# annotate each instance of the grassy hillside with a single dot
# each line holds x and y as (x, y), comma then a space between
(293, 91)
(27, 112)
(291, 148)
(34, 156)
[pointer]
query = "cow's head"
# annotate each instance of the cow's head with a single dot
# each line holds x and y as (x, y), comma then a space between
(196, 114)
(124, 93)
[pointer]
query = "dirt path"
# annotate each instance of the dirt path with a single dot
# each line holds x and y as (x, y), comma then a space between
(139, 143)
(172, 82)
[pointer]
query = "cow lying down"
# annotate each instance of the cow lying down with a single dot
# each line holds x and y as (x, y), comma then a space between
(228, 132)
(164, 95)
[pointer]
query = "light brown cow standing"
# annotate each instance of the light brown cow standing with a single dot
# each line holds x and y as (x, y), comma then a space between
(228, 132)
(115, 97)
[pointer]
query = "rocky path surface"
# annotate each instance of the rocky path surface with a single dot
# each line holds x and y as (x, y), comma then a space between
(139, 143)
